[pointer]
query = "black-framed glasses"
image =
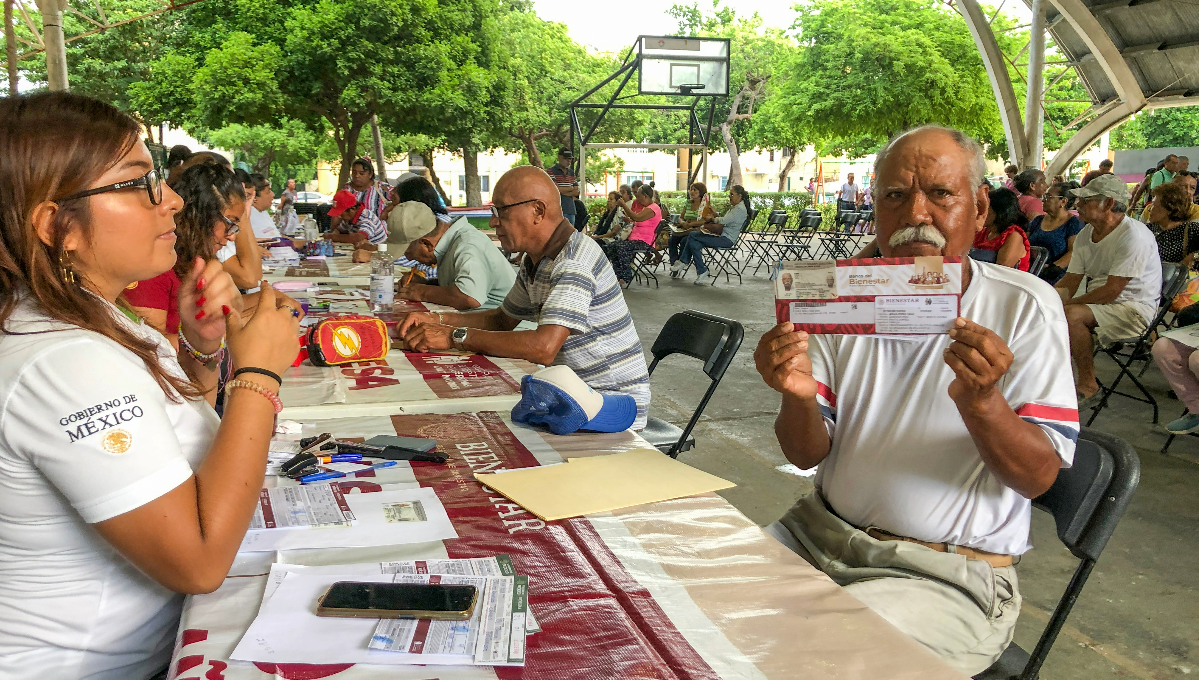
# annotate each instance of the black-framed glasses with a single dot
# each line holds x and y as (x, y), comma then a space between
(153, 181)
(497, 208)
(232, 227)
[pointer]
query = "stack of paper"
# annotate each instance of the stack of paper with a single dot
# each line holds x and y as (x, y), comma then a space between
(281, 256)
(368, 519)
(287, 629)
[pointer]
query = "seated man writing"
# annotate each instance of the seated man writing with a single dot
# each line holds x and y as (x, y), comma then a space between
(472, 273)
(1118, 258)
(564, 284)
(929, 448)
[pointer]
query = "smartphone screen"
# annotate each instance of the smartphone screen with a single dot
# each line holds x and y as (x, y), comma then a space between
(399, 597)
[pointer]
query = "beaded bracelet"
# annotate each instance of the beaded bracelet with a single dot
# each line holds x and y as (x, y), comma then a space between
(204, 359)
(255, 387)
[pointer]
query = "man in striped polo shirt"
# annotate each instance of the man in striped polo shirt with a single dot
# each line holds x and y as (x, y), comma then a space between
(565, 285)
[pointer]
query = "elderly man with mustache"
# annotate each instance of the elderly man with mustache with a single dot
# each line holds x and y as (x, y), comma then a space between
(929, 448)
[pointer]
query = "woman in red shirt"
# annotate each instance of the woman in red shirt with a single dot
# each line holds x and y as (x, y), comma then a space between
(213, 207)
(1004, 231)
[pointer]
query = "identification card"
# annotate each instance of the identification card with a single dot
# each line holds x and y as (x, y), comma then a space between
(884, 296)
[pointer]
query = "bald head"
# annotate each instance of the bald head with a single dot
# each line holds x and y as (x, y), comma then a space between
(530, 209)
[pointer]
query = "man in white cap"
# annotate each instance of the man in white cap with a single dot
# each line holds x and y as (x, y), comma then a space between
(1117, 258)
(472, 273)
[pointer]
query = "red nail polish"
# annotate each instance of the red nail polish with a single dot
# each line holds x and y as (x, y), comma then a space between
(200, 315)
(200, 284)
(201, 301)
(225, 310)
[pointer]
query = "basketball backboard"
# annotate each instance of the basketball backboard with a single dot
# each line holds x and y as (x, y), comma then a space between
(683, 65)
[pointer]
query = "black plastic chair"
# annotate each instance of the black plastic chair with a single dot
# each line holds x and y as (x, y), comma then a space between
(709, 338)
(837, 243)
(1087, 501)
(763, 244)
(797, 243)
(1037, 259)
(1127, 351)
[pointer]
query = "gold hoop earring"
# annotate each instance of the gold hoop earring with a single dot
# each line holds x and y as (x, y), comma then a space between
(65, 271)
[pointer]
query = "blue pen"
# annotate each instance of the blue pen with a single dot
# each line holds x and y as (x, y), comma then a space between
(322, 476)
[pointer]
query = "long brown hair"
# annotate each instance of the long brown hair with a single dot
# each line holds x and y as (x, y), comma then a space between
(55, 144)
(207, 190)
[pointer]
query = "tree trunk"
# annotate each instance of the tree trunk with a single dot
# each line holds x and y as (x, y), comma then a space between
(787, 167)
(263, 165)
(10, 44)
(348, 145)
(380, 161)
(471, 169)
(437, 184)
(531, 150)
(735, 163)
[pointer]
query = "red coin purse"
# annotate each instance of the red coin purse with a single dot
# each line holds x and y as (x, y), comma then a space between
(347, 339)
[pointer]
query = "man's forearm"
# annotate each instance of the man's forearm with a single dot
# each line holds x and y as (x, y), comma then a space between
(1101, 296)
(1018, 452)
(536, 345)
(486, 320)
(801, 431)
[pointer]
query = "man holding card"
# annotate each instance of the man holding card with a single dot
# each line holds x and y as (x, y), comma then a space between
(929, 447)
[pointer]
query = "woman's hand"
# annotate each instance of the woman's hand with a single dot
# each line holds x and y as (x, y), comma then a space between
(268, 339)
(205, 295)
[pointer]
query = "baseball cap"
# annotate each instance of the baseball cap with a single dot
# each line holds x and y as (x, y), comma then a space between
(559, 399)
(1108, 186)
(342, 201)
(408, 222)
(566, 152)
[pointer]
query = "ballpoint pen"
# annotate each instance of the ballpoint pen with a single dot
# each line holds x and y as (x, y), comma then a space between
(322, 476)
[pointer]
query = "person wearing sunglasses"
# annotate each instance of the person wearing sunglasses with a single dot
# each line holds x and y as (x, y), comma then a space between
(119, 486)
(564, 284)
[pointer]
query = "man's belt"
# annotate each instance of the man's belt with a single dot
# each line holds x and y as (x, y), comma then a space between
(994, 559)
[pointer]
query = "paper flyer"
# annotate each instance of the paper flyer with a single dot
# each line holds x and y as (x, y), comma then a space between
(317, 505)
(883, 296)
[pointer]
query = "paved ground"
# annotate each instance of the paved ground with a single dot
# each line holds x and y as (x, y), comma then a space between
(1137, 617)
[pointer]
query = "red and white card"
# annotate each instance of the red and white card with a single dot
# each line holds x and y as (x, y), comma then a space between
(878, 296)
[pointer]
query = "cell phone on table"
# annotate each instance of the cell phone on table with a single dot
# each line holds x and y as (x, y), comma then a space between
(356, 599)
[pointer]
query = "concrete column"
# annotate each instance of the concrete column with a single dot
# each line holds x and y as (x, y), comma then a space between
(1033, 90)
(56, 49)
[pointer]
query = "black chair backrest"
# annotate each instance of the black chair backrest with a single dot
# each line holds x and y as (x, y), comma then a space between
(750, 215)
(777, 218)
(1037, 259)
(983, 255)
(1174, 278)
(1079, 490)
(810, 211)
(711, 339)
(811, 221)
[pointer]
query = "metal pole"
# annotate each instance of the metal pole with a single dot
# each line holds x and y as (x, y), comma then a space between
(1033, 91)
(582, 171)
(10, 43)
(56, 49)
(380, 162)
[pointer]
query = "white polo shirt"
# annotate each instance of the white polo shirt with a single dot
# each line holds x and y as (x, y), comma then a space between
(902, 458)
(86, 434)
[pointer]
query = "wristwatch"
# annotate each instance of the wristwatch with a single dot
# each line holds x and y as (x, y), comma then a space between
(458, 337)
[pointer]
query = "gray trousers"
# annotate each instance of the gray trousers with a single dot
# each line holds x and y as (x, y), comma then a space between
(964, 610)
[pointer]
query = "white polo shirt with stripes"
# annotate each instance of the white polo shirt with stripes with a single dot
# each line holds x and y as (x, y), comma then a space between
(577, 289)
(902, 458)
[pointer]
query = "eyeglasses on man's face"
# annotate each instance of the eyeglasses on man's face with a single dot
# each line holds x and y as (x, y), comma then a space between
(497, 208)
(152, 181)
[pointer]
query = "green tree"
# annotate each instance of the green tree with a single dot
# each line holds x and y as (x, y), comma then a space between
(871, 68)
(268, 147)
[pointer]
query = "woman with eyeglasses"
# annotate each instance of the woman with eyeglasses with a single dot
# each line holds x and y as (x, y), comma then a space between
(119, 487)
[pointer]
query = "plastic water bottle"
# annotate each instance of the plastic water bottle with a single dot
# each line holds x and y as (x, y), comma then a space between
(383, 282)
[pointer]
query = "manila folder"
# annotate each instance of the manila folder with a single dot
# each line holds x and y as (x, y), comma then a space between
(600, 483)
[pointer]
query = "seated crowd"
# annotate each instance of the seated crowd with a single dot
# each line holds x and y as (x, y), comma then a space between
(141, 355)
